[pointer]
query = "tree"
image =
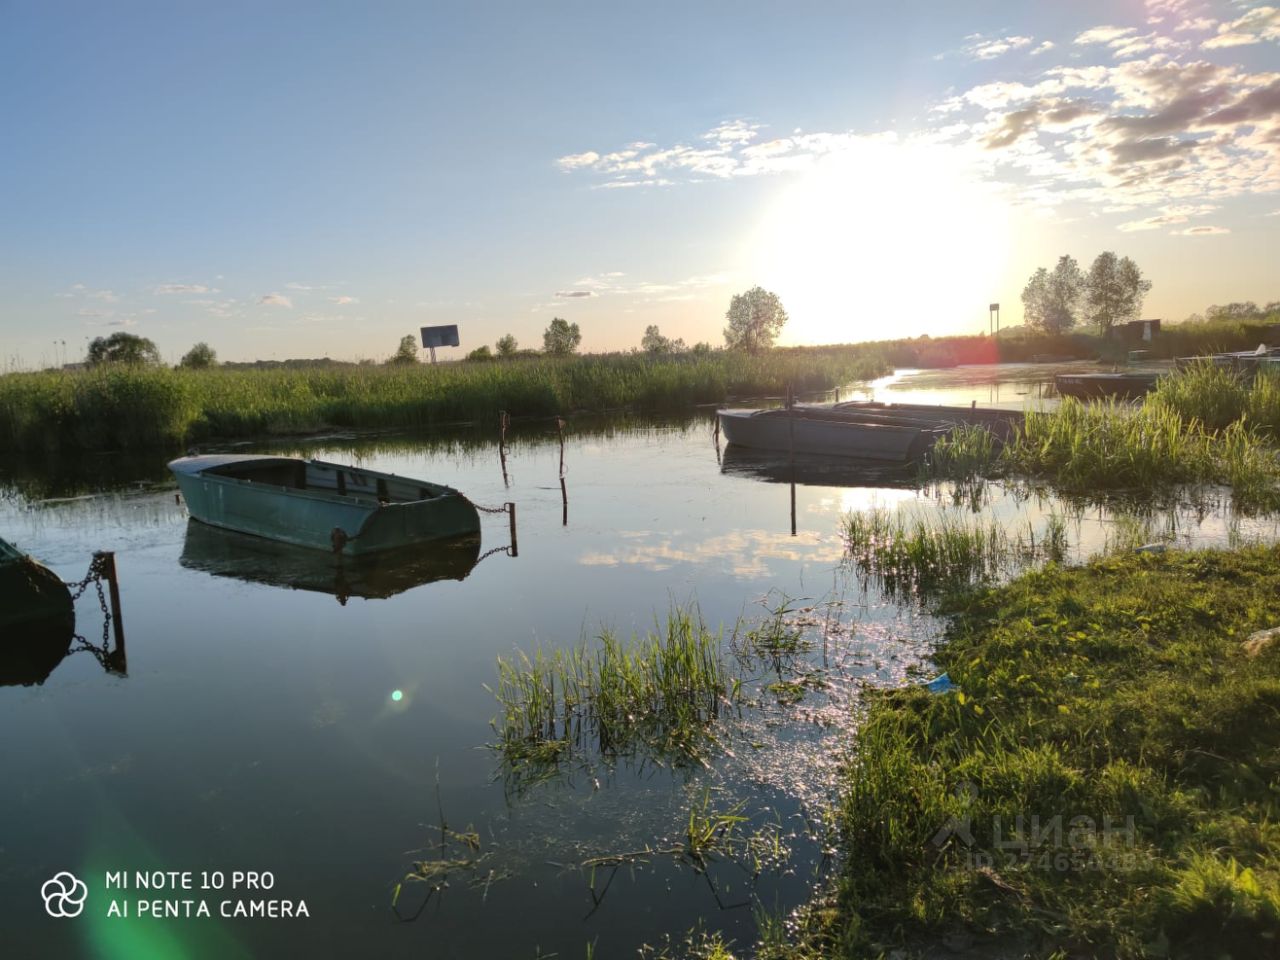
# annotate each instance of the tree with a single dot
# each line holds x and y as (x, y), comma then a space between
(480, 353)
(1114, 291)
(407, 352)
(755, 318)
(122, 348)
(655, 344)
(506, 345)
(199, 357)
(1050, 300)
(561, 338)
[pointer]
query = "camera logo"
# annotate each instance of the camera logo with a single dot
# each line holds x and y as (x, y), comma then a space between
(64, 895)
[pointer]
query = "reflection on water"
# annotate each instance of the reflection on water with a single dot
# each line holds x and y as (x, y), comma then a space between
(225, 553)
(269, 728)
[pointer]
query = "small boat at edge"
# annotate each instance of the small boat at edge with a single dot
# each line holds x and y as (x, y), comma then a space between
(326, 506)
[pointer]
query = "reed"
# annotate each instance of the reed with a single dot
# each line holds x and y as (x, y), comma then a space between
(910, 554)
(139, 407)
(656, 696)
(1205, 392)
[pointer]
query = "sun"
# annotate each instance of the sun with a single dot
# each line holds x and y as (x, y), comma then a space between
(886, 239)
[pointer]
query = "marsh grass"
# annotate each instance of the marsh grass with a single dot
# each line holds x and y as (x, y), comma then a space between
(911, 554)
(120, 407)
(1106, 691)
(655, 697)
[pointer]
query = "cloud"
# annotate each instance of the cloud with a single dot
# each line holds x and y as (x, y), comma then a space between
(1103, 35)
(122, 322)
(1202, 231)
(988, 48)
(579, 161)
(298, 286)
(167, 288)
(343, 300)
(574, 294)
(1198, 24)
(275, 300)
(1260, 23)
(1045, 47)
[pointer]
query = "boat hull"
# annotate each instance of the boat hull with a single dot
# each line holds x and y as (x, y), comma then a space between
(773, 430)
(352, 523)
(1092, 386)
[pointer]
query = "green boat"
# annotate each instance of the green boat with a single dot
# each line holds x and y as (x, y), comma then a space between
(30, 591)
(326, 506)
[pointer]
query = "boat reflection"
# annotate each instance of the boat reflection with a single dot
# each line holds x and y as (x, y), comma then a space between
(814, 470)
(224, 553)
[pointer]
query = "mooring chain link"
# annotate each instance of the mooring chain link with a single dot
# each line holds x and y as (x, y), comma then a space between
(96, 572)
(490, 553)
(502, 509)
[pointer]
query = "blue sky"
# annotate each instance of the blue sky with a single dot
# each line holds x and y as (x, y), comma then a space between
(319, 179)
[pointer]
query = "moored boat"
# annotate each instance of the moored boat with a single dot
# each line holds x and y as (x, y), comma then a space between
(31, 591)
(894, 433)
(1092, 386)
(326, 506)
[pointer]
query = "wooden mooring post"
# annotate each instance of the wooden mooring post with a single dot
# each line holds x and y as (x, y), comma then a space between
(511, 517)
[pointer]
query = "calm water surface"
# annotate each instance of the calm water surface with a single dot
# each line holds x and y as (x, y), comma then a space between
(265, 725)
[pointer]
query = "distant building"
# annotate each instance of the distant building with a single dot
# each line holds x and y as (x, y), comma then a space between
(1138, 331)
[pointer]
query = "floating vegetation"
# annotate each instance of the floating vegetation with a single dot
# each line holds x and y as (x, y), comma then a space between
(909, 554)
(655, 696)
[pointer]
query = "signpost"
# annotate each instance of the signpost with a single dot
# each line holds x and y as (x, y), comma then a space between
(993, 318)
(446, 336)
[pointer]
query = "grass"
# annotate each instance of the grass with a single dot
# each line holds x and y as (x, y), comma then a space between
(655, 697)
(909, 554)
(1104, 783)
(1201, 426)
(113, 407)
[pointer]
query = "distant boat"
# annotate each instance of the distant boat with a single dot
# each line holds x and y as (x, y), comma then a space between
(1093, 386)
(225, 553)
(894, 433)
(326, 506)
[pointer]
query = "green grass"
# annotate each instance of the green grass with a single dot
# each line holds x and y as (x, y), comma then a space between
(654, 697)
(1118, 693)
(1200, 426)
(909, 554)
(138, 407)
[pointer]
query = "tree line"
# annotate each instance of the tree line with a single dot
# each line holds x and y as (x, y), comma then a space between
(1112, 292)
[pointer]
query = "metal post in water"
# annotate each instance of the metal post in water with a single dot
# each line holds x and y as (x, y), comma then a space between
(511, 517)
(564, 500)
(108, 564)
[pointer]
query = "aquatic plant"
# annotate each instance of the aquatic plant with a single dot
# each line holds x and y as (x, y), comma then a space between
(1206, 392)
(655, 696)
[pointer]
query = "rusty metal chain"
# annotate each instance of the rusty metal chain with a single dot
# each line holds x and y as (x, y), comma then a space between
(505, 508)
(490, 553)
(95, 573)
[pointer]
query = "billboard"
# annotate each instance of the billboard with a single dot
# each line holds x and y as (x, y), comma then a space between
(446, 336)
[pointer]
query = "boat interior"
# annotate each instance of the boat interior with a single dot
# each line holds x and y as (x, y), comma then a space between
(320, 477)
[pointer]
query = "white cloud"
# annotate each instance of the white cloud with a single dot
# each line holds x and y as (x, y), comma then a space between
(1198, 24)
(343, 300)
(574, 294)
(988, 48)
(1203, 231)
(275, 300)
(298, 286)
(1104, 35)
(1043, 48)
(579, 161)
(1260, 23)
(168, 288)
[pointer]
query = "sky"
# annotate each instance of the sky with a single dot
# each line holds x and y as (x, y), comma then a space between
(319, 179)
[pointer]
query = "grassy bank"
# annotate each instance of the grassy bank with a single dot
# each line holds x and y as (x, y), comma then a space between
(1201, 426)
(111, 407)
(1104, 783)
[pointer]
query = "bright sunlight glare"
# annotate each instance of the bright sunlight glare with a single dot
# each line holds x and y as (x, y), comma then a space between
(885, 239)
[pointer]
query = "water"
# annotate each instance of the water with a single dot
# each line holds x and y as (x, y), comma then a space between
(275, 721)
